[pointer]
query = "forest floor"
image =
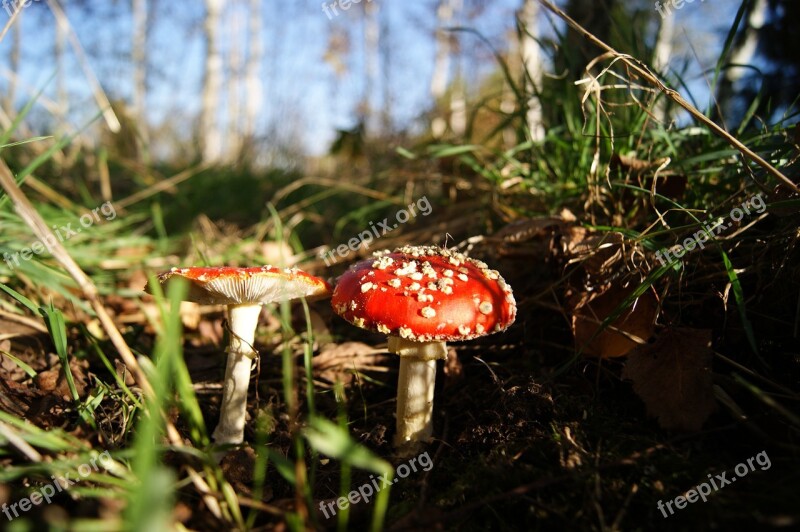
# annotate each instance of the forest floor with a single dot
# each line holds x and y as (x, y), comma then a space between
(528, 435)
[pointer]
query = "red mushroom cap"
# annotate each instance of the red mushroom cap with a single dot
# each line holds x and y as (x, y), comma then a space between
(227, 285)
(425, 294)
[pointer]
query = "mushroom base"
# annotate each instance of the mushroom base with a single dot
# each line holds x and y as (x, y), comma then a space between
(243, 322)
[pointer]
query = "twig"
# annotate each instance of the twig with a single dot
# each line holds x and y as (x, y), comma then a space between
(22, 446)
(673, 95)
(161, 186)
(10, 22)
(40, 228)
(97, 89)
(24, 320)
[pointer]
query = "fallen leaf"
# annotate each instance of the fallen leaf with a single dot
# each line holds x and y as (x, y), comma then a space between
(54, 380)
(211, 331)
(190, 314)
(338, 361)
(124, 374)
(600, 254)
(673, 378)
(631, 329)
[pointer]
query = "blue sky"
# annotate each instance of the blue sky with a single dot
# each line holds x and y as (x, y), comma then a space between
(302, 94)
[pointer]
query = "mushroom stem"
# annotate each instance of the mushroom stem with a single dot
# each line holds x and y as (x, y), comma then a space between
(415, 387)
(243, 321)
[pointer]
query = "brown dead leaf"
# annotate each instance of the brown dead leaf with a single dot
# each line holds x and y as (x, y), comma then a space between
(138, 280)
(190, 314)
(673, 378)
(12, 326)
(55, 381)
(573, 240)
(211, 331)
(669, 183)
(338, 361)
(8, 368)
(16, 398)
(600, 254)
(124, 374)
(631, 329)
(631, 163)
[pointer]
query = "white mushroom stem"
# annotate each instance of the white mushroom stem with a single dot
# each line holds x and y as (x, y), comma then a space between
(415, 388)
(243, 320)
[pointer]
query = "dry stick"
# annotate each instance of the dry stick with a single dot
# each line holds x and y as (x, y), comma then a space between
(17, 441)
(39, 227)
(162, 185)
(673, 95)
(10, 22)
(97, 89)
(23, 320)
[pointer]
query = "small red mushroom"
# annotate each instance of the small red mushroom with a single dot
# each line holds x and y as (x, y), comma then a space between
(243, 290)
(423, 297)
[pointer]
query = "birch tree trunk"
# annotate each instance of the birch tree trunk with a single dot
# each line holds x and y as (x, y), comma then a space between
(458, 95)
(372, 33)
(661, 56)
(441, 62)
(233, 144)
(532, 66)
(13, 60)
(210, 132)
(742, 53)
(59, 49)
(253, 83)
(745, 50)
(458, 109)
(139, 59)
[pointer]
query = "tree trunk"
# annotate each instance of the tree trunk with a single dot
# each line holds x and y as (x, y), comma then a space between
(742, 53)
(441, 62)
(661, 56)
(210, 132)
(59, 48)
(14, 54)
(139, 60)
(372, 33)
(254, 87)
(532, 66)
(234, 85)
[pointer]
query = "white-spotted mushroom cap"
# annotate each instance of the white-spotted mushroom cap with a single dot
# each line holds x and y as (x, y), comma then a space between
(424, 294)
(227, 285)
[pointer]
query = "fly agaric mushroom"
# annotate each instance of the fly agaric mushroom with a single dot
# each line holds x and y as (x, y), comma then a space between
(243, 290)
(422, 297)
